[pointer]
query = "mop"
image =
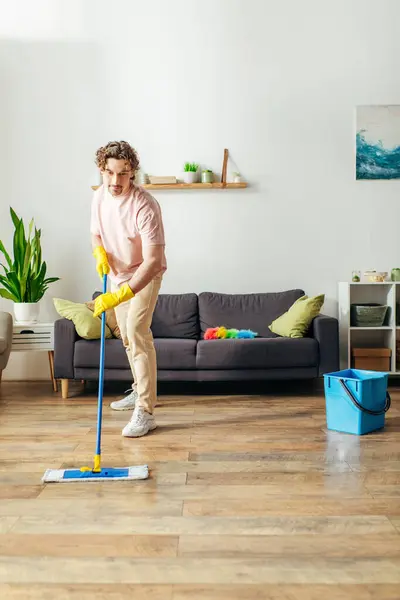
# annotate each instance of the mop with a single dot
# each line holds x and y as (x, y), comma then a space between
(97, 473)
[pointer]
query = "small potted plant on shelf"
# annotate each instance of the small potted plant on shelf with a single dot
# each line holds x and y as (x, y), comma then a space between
(207, 176)
(190, 174)
(24, 280)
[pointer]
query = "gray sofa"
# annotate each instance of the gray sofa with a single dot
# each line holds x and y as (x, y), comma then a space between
(178, 327)
(6, 330)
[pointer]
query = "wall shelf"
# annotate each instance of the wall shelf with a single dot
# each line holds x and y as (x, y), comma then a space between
(190, 186)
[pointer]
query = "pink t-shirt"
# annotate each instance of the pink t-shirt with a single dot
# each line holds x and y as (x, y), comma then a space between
(125, 224)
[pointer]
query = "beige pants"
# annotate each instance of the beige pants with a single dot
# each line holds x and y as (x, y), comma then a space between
(134, 319)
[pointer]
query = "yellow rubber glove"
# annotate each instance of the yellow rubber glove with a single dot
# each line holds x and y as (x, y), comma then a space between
(102, 266)
(112, 299)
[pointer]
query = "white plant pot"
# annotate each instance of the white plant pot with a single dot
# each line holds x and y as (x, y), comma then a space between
(26, 312)
(190, 176)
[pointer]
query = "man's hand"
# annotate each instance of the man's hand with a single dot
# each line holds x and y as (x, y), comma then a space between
(102, 266)
(112, 299)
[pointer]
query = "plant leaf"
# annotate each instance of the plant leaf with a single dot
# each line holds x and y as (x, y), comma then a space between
(42, 272)
(19, 248)
(7, 256)
(28, 291)
(14, 281)
(10, 286)
(37, 253)
(30, 229)
(25, 270)
(8, 295)
(37, 284)
(14, 217)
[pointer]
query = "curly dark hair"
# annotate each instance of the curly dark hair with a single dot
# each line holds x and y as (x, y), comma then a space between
(118, 150)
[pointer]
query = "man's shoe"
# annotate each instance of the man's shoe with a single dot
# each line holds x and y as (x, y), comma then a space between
(141, 423)
(127, 403)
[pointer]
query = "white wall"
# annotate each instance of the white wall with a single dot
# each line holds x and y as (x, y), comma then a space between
(275, 82)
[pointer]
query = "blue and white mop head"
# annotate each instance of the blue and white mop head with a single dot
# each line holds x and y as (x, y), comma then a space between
(68, 475)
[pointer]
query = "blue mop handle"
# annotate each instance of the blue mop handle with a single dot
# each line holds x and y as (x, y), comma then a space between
(97, 466)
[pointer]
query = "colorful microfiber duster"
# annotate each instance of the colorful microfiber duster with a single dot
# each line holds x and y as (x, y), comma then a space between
(222, 333)
(246, 334)
(232, 333)
(211, 333)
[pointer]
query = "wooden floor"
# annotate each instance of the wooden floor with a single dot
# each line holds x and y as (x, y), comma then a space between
(249, 497)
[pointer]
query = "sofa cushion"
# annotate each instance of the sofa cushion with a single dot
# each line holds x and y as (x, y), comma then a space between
(87, 354)
(171, 354)
(260, 353)
(295, 323)
(245, 311)
(175, 354)
(86, 326)
(176, 316)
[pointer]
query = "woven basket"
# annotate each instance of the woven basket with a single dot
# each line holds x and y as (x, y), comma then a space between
(368, 315)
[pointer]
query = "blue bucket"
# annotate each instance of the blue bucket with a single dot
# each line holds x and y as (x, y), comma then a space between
(356, 401)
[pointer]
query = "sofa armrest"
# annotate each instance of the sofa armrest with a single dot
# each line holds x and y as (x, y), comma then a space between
(65, 336)
(326, 331)
(6, 331)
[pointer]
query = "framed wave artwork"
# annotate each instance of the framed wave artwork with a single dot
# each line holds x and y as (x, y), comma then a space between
(378, 142)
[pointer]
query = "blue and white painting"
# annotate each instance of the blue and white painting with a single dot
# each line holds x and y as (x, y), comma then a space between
(378, 142)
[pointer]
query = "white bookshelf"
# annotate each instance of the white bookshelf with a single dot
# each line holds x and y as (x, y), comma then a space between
(387, 293)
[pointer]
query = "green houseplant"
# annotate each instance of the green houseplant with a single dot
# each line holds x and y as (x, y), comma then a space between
(190, 174)
(24, 280)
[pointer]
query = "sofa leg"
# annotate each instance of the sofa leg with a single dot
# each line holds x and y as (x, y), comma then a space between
(64, 388)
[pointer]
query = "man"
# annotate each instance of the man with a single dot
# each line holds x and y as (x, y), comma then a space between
(128, 243)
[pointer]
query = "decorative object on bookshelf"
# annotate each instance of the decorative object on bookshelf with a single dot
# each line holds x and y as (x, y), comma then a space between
(207, 176)
(190, 172)
(376, 276)
(356, 276)
(142, 178)
(368, 314)
(369, 274)
(160, 180)
(371, 359)
(395, 275)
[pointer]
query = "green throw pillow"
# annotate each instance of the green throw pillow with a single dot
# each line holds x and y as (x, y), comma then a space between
(87, 326)
(296, 321)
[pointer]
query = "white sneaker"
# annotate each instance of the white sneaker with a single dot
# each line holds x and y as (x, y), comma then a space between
(127, 403)
(141, 423)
